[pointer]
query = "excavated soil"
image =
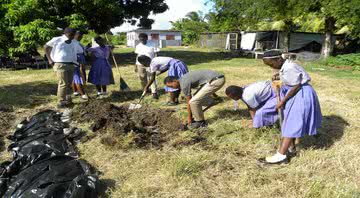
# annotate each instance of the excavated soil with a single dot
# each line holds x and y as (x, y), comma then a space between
(121, 127)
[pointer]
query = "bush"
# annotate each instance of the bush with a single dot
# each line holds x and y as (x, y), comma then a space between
(344, 60)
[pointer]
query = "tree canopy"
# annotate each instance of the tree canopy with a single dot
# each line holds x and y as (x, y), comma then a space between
(26, 24)
(191, 27)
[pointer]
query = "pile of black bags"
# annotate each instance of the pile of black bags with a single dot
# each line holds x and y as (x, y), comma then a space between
(45, 163)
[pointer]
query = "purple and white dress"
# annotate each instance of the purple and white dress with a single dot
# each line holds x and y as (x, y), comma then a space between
(302, 112)
(77, 79)
(262, 97)
(101, 71)
(175, 68)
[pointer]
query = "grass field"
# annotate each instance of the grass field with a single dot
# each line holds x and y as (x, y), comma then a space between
(223, 165)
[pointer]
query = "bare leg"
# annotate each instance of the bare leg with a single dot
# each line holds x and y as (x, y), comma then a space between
(74, 87)
(80, 89)
(98, 88)
(172, 96)
(286, 143)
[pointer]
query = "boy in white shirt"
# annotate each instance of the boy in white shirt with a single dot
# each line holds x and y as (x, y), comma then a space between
(62, 54)
(144, 48)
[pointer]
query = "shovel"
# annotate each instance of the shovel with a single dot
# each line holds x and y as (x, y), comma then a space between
(137, 105)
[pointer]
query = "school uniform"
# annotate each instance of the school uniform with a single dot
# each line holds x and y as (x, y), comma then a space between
(101, 71)
(302, 112)
(174, 67)
(209, 82)
(64, 56)
(262, 97)
(78, 79)
(143, 72)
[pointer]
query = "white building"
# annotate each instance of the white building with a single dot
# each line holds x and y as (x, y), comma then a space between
(159, 38)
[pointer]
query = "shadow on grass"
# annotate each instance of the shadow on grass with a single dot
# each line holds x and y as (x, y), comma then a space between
(27, 94)
(230, 114)
(332, 130)
(188, 57)
(123, 96)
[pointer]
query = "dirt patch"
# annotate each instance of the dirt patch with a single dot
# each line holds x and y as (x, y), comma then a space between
(121, 127)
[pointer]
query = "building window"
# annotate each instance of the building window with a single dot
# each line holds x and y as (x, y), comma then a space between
(170, 37)
(154, 36)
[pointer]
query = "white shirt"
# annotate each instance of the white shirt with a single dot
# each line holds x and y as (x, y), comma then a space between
(79, 47)
(160, 64)
(257, 93)
(62, 52)
(293, 74)
(147, 50)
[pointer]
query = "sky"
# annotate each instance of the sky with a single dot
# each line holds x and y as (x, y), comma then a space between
(177, 9)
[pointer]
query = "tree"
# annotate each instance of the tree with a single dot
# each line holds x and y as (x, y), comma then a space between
(305, 15)
(191, 26)
(25, 16)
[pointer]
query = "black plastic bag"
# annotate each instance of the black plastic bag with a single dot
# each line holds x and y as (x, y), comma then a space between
(45, 162)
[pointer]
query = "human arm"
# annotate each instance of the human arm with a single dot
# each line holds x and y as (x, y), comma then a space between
(82, 73)
(189, 118)
(291, 93)
(252, 112)
(48, 54)
(151, 81)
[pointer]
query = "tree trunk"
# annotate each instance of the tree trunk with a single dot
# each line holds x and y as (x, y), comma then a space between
(328, 45)
(286, 41)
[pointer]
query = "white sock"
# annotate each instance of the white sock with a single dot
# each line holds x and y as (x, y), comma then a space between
(276, 158)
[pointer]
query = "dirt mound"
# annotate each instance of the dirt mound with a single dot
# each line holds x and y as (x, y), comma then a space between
(121, 127)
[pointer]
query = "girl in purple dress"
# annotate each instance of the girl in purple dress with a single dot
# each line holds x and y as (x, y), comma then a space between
(101, 72)
(260, 98)
(300, 105)
(161, 64)
(79, 78)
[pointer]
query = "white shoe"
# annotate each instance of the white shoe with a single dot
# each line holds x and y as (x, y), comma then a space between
(76, 94)
(277, 158)
(84, 97)
(105, 94)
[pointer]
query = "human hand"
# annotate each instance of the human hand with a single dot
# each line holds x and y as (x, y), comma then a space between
(280, 105)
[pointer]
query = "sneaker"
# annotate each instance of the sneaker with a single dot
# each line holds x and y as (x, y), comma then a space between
(197, 124)
(274, 160)
(155, 96)
(84, 97)
(76, 94)
(105, 95)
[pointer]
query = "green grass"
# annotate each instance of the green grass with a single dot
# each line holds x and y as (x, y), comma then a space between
(223, 163)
